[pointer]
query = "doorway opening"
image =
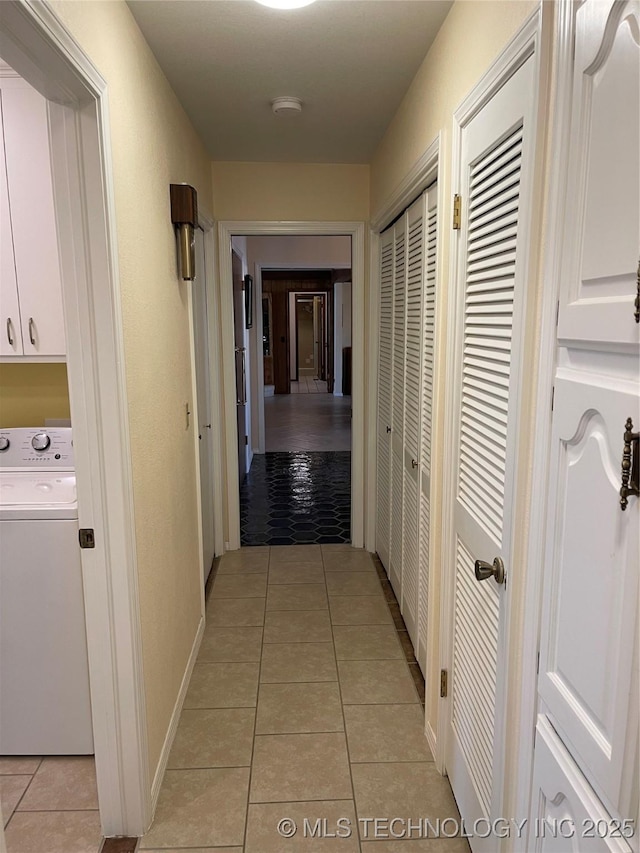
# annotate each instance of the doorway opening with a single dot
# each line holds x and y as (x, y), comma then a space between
(293, 383)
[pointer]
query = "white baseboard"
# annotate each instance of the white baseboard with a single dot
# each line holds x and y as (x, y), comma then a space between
(175, 718)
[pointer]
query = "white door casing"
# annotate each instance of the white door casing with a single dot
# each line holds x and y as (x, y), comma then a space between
(588, 645)
(495, 177)
(204, 425)
(11, 327)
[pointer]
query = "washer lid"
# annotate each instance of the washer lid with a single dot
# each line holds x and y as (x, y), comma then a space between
(37, 489)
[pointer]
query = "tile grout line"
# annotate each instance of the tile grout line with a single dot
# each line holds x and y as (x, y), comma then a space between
(344, 721)
(255, 717)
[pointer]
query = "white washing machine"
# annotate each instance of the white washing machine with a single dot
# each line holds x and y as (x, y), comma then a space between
(45, 706)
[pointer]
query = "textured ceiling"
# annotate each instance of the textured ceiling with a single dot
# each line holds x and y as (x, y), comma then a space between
(349, 61)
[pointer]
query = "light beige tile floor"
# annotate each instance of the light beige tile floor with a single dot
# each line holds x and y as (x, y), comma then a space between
(50, 804)
(301, 707)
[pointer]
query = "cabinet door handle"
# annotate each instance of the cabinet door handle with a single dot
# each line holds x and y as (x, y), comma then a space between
(10, 337)
(630, 465)
(31, 328)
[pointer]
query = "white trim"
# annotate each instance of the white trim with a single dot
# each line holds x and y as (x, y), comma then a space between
(562, 39)
(372, 384)
(252, 228)
(418, 178)
(36, 44)
(522, 46)
(175, 716)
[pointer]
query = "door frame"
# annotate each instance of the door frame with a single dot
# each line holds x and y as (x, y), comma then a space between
(562, 39)
(34, 41)
(525, 44)
(256, 228)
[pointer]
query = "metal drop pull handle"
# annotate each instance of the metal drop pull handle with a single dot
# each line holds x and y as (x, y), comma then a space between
(490, 570)
(414, 464)
(10, 337)
(31, 328)
(630, 465)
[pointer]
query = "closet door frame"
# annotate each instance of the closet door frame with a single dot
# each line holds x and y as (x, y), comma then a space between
(421, 176)
(525, 44)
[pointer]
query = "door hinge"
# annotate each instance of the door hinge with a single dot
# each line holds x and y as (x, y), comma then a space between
(444, 683)
(538, 664)
(87, 537)
(553, 394)
(246, 439)
(457, 212)
(557, 312)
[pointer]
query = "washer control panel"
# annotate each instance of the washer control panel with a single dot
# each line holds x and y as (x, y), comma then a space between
(37, 447)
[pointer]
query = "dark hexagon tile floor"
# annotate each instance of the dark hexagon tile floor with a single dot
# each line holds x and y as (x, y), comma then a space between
(296, 498)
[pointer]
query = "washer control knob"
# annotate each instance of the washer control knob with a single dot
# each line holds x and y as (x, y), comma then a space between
(4, 442)
(40, 441)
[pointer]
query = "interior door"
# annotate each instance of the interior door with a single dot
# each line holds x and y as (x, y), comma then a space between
(385, 385)
(426, 417)
(241, 364)
(397, 407)
(588, 650)
(415, 265)
(203, 387)
(492, 259)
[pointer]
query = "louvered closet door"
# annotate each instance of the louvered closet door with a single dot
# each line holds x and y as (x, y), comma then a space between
(426, 410)
(397, 397)
(415, 264)
(495, 198)
(385, 384)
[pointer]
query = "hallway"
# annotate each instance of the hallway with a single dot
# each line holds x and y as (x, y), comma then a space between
(302, 705)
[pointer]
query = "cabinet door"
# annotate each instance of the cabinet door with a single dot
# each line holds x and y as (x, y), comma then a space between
(10, 331)
(33, 219)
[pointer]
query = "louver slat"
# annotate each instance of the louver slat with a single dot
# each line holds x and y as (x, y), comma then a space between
(475, 672)
(488, 323)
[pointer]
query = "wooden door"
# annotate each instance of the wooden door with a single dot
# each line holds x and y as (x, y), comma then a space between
(397, 405)
(492, 260)
(415, 268)
(426, 416)
(385, 401)
(205, 423)
(588, 650)
(280, 318)
(10, 325)
(241, 365)
(35, 240)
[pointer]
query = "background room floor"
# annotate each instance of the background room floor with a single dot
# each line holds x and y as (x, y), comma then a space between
(296, 498)
(302, 704)
(307, 422)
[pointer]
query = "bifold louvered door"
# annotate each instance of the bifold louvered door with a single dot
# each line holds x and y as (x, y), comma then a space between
(385, 385)
(397, 404)
(415, 218)
(426, 410)
(491, 266)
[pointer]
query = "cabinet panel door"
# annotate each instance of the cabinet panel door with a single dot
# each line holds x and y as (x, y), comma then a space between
(33, 219)
(10, 330)
(567, 817)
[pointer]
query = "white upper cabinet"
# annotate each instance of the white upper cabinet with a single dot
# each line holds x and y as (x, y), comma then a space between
(31, 316)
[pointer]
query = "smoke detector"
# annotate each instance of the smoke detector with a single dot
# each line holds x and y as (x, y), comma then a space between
(286, 106)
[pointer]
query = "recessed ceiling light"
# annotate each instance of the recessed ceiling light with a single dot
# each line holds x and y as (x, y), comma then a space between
(286, 4)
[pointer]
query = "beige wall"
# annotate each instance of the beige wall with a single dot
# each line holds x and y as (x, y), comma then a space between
(30, 393)
(153, 145)
(472, 36)
(290, 191)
